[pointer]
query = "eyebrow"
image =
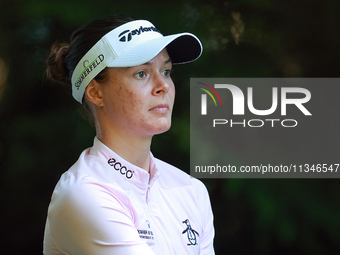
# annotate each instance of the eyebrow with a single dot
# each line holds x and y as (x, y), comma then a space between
(165, 62)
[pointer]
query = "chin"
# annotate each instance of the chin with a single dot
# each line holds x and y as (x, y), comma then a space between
(162, 129)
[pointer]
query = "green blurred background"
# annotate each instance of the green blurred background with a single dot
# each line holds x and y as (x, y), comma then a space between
(42, 132)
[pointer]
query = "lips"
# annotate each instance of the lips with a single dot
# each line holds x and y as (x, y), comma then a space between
(161, 108)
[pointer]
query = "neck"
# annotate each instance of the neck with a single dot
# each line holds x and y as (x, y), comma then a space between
(132, 148)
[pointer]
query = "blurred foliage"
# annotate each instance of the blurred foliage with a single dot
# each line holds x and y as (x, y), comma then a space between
(42, 132)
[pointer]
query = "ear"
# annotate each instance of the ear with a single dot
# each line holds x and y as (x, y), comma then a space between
(93, 93)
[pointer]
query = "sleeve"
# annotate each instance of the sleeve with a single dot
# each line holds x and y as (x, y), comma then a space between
(86, 218)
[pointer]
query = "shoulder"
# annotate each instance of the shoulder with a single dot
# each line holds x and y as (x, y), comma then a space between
(81, 212)
(84, 186)
(78, 192)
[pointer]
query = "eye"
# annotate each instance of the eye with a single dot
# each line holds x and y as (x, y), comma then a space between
(166, 72)
(140, 74)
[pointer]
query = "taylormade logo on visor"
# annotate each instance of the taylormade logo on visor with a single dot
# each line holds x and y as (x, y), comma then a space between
(128, 37)
(88, 69)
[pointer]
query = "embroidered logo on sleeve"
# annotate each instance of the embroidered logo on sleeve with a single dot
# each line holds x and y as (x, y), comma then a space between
(191, 233)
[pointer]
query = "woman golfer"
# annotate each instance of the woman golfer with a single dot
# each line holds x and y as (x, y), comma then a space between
(117, 198)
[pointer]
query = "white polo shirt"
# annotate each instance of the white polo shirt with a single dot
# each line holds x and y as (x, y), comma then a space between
(105, 205)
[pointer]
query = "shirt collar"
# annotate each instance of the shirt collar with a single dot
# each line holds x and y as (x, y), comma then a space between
(129, 172)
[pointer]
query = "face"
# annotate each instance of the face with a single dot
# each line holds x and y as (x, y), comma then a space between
(139, 100)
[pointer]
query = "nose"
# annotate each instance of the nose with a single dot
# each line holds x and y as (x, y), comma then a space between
(162, 85)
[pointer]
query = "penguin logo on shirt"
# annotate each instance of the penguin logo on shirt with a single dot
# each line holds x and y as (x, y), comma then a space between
(191, 233)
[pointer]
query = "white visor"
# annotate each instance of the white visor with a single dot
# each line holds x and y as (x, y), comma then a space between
(132, 44)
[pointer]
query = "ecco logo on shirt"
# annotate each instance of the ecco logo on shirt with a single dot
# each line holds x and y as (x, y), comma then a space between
(119, 167)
